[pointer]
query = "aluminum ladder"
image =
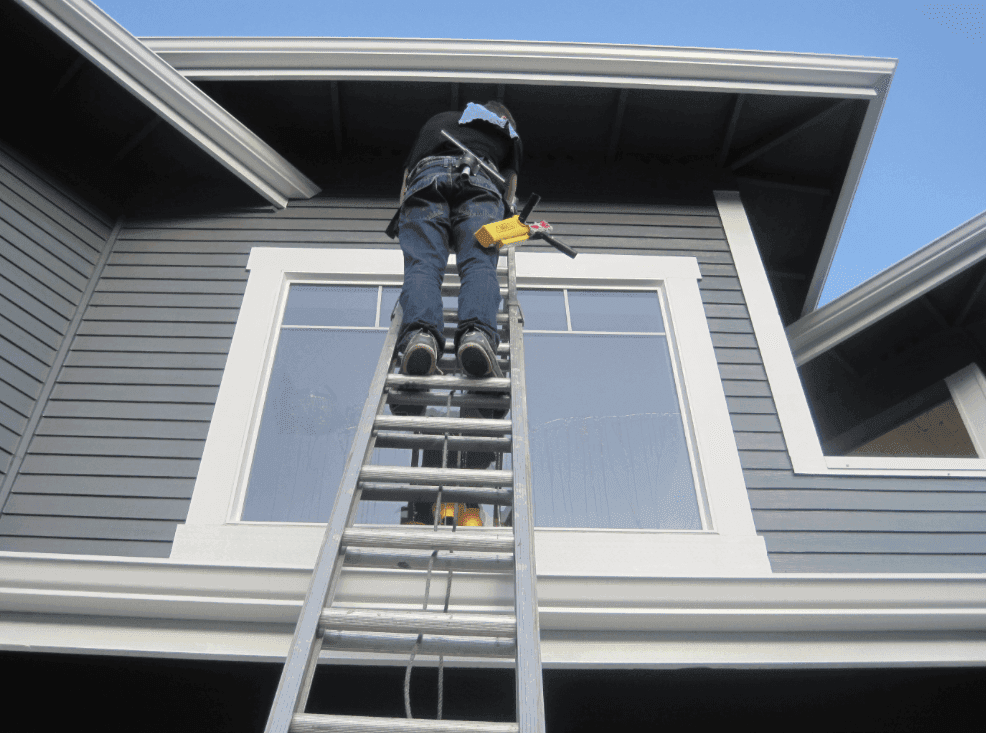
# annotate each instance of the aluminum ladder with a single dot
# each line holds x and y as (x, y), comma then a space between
(449, 634)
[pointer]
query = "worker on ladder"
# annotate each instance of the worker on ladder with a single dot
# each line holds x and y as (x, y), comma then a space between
(445, 199)
(441, 208)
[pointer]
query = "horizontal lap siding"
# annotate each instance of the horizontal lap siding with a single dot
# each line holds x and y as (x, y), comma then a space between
(836, 523)
(128, 418)
(49, 244)
(113, 464)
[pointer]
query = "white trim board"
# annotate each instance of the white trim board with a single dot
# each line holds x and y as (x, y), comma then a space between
(213, 531)
(153, 607)
(817, 332)
(797, 424)
(535, 62)
(183, 105)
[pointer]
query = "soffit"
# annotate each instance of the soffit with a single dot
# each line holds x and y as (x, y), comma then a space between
(600, 122)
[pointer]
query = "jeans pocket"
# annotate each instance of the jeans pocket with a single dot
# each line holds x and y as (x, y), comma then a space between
(424, 179)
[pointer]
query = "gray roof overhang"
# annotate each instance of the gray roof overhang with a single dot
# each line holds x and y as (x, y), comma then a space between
(877, 356)
(790, 131)
(135, 68)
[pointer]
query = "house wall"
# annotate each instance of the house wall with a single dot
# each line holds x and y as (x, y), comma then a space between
(49, 245)
(113, 465)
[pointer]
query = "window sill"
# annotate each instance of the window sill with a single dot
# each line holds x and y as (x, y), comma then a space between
(566, 552)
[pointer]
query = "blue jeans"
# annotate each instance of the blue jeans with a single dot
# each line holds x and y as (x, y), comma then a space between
(442, 211)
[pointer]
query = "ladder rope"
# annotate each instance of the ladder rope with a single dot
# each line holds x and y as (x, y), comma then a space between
(431, 564)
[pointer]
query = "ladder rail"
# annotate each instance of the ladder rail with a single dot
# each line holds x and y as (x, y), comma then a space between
(529, 682)
(299, 667)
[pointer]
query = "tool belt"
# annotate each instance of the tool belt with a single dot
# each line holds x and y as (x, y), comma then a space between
(454, 161)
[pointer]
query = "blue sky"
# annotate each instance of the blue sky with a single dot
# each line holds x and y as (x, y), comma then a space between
(925, 171)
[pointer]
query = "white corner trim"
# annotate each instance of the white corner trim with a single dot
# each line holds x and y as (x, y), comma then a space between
(213, 532)
(797, 424)
(918, 273)
(793, 412)
(968, 388)
(148, 77)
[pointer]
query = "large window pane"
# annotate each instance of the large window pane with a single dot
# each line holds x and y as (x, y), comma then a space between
(317, 390)
(602, 310)
(607, 437)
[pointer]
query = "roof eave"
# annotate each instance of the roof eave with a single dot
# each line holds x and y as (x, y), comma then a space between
(152, 80)
(908, 280)
(533, 62)
(576, 64)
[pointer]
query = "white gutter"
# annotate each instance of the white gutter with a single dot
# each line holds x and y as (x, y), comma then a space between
(134, 606)
(888, 291)
(523, 62)
(139, 70)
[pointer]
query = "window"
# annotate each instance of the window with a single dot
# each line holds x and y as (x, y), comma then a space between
(632, 440)
(609, 446)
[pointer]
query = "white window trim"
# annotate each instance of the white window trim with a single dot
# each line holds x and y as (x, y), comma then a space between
(797, 425)
(212, 531)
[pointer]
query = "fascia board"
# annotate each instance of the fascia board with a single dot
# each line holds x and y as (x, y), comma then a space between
(909, 279)
(142, 72)
(522, 62)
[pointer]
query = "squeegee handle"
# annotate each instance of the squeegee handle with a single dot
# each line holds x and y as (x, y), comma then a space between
(528, 208)
(479, 160)
(560, 246)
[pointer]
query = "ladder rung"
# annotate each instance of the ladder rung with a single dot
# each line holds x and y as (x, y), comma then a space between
(450, 494)
(452, 288)
(458, 425)
(449, 364)
(312, 723)
(436, 442)
(451, 315)
(436, 476)
(439, 381)
(439, 399)
(448, 646)
(418, 622)
(465, 562)
(427, 539)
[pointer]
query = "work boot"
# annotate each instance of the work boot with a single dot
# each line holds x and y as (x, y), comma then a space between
(420, 355)
(476, 355)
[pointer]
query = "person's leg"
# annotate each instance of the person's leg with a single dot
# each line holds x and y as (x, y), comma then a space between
(424, 239)
(479, 295)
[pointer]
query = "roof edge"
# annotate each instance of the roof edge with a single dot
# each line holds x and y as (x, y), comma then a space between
(909, 279)
(489, 60)
(164, 90)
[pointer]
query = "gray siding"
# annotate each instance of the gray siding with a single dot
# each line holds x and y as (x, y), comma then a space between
(113, 465)
(853, 524)
(49, 243)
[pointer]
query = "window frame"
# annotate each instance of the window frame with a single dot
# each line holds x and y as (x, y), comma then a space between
(797, 424)
(729, 546)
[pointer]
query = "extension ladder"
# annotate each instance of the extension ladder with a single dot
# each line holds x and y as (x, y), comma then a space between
(439, 633)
